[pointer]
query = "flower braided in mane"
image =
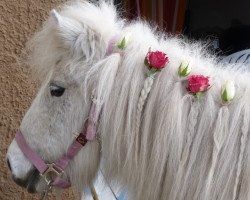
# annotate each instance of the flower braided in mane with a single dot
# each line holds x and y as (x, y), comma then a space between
(155, 61)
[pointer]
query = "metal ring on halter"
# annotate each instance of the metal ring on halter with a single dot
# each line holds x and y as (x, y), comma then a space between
(47, 174)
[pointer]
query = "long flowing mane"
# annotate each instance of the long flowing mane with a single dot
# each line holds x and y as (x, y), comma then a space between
(186, 148)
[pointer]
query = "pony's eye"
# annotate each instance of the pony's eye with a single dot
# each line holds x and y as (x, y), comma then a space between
(56, 91)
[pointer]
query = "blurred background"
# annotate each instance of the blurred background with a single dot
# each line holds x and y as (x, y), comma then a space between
(223, 23)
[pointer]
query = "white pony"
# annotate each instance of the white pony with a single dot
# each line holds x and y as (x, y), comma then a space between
(186, 148)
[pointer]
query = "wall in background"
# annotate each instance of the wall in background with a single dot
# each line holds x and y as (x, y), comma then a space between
(18, 20)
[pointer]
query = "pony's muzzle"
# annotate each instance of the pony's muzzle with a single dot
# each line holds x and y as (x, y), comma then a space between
(29, 182)
(22, 172)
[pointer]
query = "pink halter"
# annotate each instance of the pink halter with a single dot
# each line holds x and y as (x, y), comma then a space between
(58, 167)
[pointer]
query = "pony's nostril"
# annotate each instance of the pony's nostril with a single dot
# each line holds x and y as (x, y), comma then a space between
(8, 163)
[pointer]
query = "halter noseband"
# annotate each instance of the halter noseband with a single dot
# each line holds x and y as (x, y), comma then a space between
(57, 169)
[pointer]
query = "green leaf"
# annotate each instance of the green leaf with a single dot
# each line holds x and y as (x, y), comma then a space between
(179, 71)
(199, 95)
(152, 72)
(224, 96)
(183, 72)
(146, 62)
(122, 44)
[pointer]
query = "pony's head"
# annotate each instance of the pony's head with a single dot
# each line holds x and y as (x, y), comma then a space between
(66, 55)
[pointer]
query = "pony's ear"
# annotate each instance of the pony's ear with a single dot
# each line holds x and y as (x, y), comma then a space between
(77, 36)
(56, 16)
(69, 29)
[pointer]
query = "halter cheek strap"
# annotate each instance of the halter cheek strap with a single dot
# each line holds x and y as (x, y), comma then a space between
(58, 167)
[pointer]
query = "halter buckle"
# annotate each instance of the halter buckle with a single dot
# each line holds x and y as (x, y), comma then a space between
(50, 173)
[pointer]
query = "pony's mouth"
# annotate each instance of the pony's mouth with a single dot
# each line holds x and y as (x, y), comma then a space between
(30, 182)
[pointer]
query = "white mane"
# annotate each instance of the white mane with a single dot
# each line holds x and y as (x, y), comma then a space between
(186, 149)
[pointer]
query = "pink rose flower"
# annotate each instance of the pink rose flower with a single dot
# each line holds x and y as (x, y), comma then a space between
(197, 84)
(156, 59)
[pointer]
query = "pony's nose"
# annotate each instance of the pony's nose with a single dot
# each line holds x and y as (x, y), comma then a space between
(8, 163)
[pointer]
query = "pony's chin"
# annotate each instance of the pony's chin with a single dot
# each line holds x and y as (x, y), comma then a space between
(31, 188)
(33, 184)
(36, 185)
(30, 183)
